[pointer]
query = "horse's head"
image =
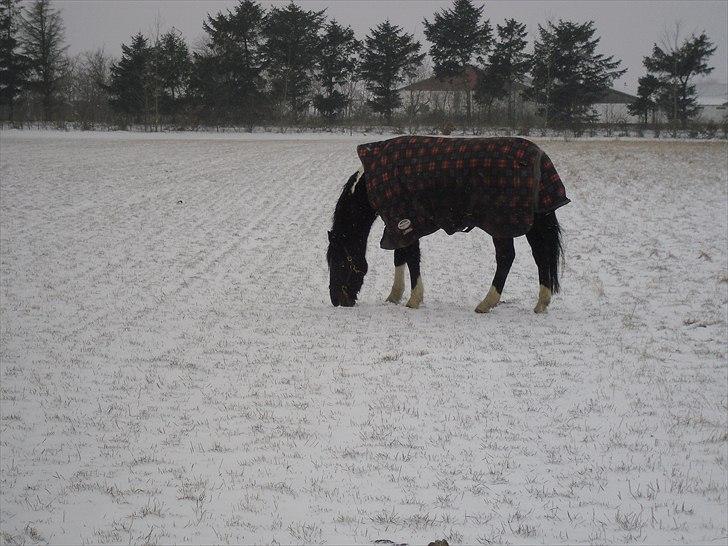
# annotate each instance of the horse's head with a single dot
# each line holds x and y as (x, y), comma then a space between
(346, 256)
(346, 271)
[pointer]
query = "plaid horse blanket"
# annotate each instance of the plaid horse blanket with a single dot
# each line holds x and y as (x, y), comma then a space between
(419, 185)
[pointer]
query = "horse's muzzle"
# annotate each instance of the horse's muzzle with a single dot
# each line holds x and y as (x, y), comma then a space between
(340, 297)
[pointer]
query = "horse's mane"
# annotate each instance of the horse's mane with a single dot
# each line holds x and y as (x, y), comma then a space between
(353, 216)
(344, 203)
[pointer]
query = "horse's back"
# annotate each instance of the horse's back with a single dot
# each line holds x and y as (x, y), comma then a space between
(419, 185)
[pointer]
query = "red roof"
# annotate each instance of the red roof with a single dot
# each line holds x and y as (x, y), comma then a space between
(454, 83)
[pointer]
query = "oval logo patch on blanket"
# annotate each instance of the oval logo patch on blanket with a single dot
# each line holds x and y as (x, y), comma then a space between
(419, 185)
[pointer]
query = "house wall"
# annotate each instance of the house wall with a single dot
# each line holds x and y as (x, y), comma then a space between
(455, 102)
(713, 112)
(614, 113)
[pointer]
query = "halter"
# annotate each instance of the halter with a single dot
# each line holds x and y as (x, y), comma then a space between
(351, 264)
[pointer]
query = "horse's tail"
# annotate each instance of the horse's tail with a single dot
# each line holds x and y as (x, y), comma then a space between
(552, 195)
(548, 233)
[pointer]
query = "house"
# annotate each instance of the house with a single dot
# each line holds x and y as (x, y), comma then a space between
(612, 108)
(449, 95)
(713, 100)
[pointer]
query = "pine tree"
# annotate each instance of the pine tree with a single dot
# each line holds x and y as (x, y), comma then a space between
(336, 66)
(675, 67)
(458, 39)
(507, 66)
(209, 92)
(130, 89)
(42, 38)
(227, 77)
(389, 55)
(291, 50)
(647, 95)
(13, 64)
(174, 66)
(569, 76)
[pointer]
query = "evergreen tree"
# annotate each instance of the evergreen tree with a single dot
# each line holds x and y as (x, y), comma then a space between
(336, 66)
(13, 64)
(674, 68)
(458, 39)
(227, 72)
(209, 92)
(389, 55)
(569, 76)
(648, 91)
(174, 66)
(291, 50)
(42, 39)
(130, 89)
(507, 66)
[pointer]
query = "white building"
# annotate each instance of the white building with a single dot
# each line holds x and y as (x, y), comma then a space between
(713, 99)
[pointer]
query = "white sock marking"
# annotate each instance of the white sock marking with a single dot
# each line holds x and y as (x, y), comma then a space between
(417, 295)
(398, 285)
(544, 298)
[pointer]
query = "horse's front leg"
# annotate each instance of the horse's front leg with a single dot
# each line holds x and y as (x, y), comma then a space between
(505, 253)
(395, 295)
(413, 264)
(411, 256)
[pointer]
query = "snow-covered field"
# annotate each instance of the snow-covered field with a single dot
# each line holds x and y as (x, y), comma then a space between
(172, 370)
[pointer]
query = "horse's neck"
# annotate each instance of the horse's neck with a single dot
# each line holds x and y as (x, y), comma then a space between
(359, 217)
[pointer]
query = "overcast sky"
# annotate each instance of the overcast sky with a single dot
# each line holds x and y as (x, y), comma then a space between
(627, 28)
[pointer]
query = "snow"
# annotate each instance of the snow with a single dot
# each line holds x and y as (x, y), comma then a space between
(173, 372)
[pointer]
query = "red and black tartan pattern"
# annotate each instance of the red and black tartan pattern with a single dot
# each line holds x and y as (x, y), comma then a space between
(496, 184)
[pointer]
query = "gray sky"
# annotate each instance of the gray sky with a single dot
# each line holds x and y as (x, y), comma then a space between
(627, 28)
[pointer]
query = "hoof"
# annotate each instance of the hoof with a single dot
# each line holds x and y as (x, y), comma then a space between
(414, 304)
(490, 301)
(394, 299)
(540, 308)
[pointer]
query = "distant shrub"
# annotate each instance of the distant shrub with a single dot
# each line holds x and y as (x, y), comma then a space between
(447, 128)
(709, 130)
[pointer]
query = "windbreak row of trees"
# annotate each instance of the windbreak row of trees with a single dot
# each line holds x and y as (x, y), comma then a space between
(289, 65)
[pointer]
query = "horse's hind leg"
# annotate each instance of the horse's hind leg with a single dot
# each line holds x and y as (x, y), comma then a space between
(545, 240)
(504, 256)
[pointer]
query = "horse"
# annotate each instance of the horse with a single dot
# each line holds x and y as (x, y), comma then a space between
(506, 186)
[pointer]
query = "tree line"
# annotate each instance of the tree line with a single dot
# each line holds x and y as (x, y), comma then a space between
(289, 65)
